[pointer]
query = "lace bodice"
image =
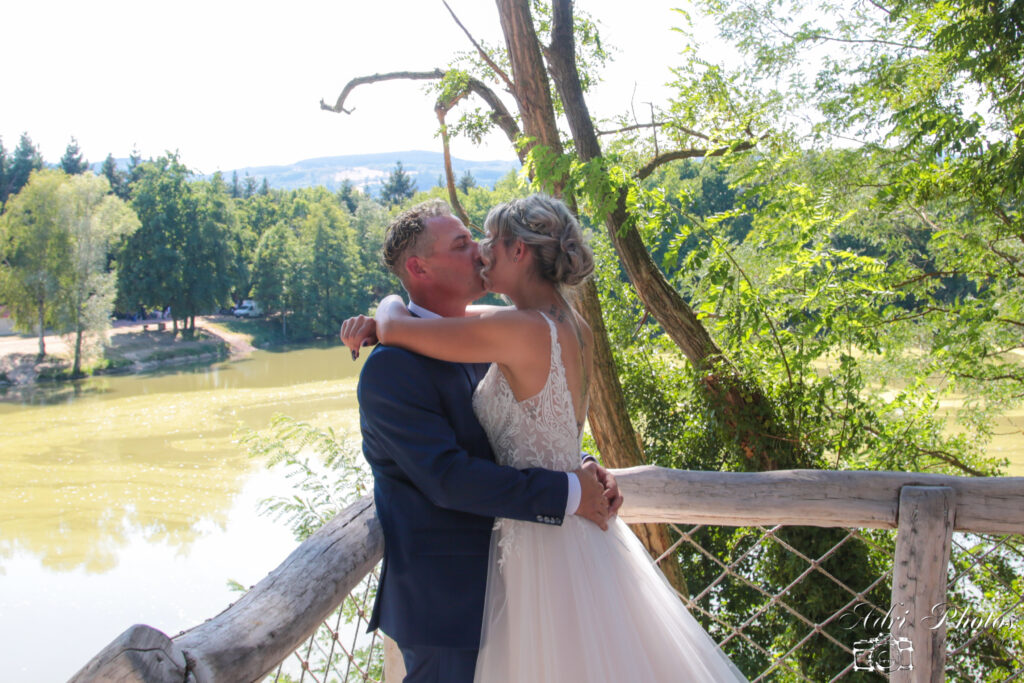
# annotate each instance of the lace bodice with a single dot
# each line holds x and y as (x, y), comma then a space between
(539, 431)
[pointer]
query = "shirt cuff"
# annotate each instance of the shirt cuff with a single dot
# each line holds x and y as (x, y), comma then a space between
(572, 503)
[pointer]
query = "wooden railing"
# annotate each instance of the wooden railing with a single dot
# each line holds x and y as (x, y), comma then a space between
(252, 636)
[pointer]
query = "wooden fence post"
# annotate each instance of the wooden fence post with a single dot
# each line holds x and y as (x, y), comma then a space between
(923, 539)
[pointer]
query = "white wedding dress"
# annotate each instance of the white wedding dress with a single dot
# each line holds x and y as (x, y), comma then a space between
(573, 603)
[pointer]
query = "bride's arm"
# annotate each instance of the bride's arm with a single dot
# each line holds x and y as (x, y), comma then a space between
(502, 335)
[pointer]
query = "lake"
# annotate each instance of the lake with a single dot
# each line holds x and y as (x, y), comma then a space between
(126, 499)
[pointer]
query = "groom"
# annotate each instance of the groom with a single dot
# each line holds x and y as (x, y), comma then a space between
(436, 485)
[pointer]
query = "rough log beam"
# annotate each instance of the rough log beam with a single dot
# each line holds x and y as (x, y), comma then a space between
(249, 638)
(824, 498)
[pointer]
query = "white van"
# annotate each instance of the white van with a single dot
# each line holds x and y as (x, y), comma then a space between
(248, 309)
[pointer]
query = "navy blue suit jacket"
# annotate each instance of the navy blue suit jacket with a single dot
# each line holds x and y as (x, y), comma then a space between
(437, 490)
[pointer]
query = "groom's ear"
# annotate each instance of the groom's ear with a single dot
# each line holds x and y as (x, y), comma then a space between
(415, 267)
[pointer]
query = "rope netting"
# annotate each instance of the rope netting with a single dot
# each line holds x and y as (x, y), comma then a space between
(340, 649)
(785, 604)
(984, 609)
(813, 604)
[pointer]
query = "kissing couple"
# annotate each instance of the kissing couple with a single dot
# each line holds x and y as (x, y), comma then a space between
(503, 557)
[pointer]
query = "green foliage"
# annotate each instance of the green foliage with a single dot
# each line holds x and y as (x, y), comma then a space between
(325, 470)
(327, 474)
(180, 256)
(275, 277)
(94, 220)
(35, 248)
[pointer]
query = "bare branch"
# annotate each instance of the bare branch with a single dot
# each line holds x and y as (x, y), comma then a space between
(626, 129)
(339, 107)
(925, 276)
(945, 457)
(483, 54)
(453, 198)
(1011, 321)
(691, 153)
(499, 112)
(655, 124)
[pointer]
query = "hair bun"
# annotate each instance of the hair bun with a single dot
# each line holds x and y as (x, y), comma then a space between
(548, 227)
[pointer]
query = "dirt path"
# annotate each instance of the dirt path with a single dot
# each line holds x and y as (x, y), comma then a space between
(137, 346)
(239, 344)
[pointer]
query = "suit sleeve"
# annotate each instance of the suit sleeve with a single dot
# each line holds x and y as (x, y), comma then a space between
(402, 414)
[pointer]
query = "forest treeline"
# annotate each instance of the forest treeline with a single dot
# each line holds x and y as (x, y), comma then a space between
(187, 245)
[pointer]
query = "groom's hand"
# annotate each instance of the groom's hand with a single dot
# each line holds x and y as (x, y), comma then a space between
(611, 487)
(358, 332)
(593, 503)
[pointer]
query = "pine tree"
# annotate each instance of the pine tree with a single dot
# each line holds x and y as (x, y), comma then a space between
(72, 162)
(248, 186)
(3, 173)
(236, 188)
(26, 159)
(399, 187)
(116, 177)
(134, 166)
(265, 187)
(347, 195)
(466, 181)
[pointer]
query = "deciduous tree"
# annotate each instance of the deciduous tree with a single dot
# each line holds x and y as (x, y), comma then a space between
(94, 220)
(36, 251)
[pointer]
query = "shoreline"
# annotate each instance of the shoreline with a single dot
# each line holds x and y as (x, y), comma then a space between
(132, 347)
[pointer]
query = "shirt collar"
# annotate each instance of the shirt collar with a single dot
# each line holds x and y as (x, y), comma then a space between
(418, 310)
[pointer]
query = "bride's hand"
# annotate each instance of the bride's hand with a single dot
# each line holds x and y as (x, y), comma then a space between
(593, 504)
(611, 487)
(357, 332)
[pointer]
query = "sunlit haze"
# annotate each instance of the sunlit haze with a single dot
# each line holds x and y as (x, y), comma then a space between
(235, 84)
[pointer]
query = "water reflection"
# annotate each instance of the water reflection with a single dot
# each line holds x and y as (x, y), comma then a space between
(88, 466)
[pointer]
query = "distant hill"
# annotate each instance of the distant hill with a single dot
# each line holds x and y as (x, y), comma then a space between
(366, 171)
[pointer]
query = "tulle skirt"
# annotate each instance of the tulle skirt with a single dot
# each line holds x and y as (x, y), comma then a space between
(577, 604)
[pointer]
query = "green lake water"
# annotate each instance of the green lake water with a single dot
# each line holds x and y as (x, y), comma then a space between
(126, 500)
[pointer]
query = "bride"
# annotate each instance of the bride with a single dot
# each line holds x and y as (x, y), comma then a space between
(540, 620)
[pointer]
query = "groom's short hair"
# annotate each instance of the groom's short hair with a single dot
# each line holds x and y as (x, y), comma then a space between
(403, 236)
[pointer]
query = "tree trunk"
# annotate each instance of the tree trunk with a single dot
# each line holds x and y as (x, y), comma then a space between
(42, 332)
(76, 369)
(608, 414)
(613, 431)
(746, 409)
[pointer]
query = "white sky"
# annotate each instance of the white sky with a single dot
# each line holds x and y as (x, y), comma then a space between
(232, 84)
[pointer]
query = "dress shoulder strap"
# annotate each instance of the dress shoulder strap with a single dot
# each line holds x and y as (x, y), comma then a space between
(555, 348)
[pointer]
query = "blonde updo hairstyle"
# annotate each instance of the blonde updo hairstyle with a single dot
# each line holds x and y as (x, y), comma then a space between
(549, 229)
